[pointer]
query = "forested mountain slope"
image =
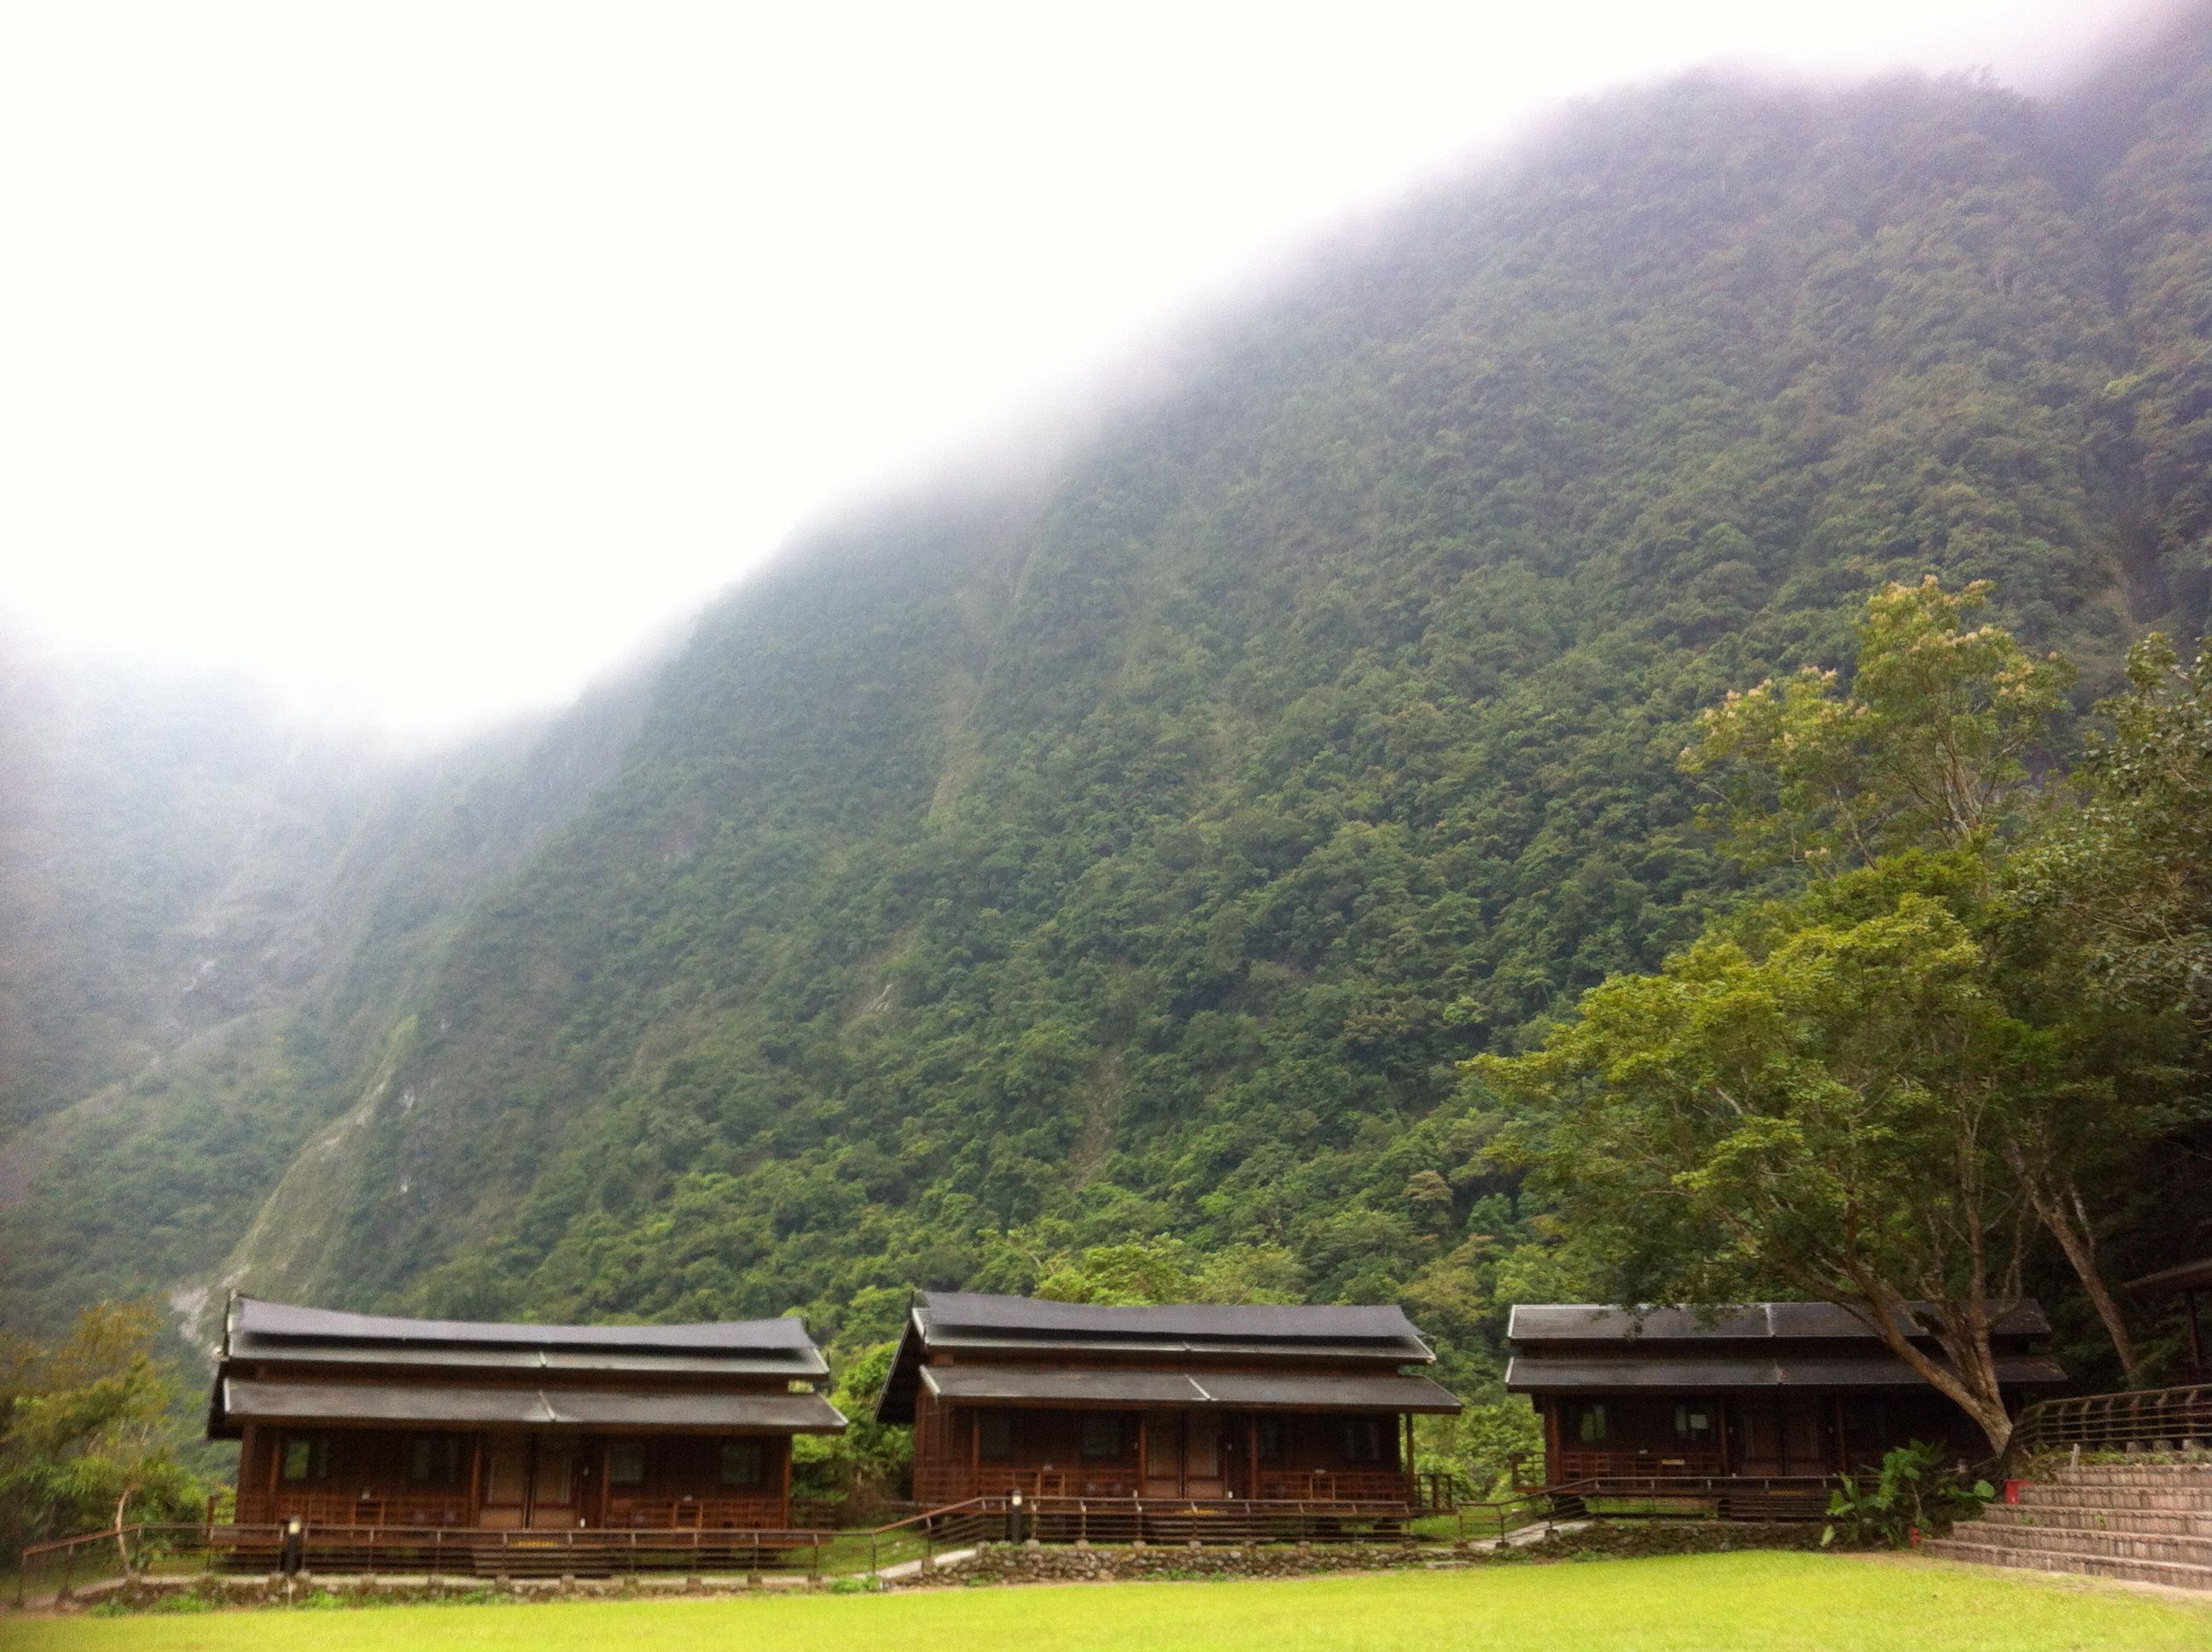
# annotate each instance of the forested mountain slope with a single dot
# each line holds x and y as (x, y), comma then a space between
(1138, 850)
(211, 915)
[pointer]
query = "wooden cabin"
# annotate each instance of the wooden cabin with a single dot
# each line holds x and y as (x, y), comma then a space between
(1778, 1389)
(356, 1419)
(1193, 1402)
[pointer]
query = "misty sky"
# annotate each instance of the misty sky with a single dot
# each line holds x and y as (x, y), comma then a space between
(425, 358)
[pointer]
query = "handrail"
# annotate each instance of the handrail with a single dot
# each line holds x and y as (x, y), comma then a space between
(437, 1548)
(2177, 1418)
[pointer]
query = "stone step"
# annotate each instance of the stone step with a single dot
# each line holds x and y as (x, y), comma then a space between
(2116, 1496)
(2172, 1476)
(2146, 1522)
(2172, 1573)
(2081, 1539)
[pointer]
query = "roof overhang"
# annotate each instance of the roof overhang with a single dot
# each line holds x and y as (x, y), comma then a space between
(1130, 1388)
(1599, 1324)
(2172, 1281)
(238, 1400)
(1661, 1374)
(281, 1332)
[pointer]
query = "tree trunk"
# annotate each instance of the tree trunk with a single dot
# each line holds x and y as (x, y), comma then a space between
(121, 1547)
(2070, 1228)
(1972, 1386)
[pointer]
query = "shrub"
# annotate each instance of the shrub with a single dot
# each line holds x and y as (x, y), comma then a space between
(1913, 1493)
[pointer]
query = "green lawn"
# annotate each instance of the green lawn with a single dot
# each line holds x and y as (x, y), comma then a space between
(1703, 1603)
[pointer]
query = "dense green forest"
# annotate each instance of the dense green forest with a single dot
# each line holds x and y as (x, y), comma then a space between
(1138, 851)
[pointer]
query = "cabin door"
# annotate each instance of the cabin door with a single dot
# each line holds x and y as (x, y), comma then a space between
(553, 1480)
(1162, 1446)
(1203, 1472)
(507, 1482)
(1755, 1438)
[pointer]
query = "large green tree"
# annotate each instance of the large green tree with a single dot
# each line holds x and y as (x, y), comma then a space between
(90, 1434)
(1872, 1092)
(1819, 1103)
(1930, 747)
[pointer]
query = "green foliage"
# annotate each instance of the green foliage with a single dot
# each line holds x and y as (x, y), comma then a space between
(1168, 1270)
(866, 1465)
(1926, 748)
(1485, 1446)
(1823, 1109)
(1140, 852)
(89, 1440)
(1915, 1494)
(1094, 881)
(2126, 864)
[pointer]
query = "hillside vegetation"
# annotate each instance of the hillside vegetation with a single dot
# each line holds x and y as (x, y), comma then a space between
(1138, 852)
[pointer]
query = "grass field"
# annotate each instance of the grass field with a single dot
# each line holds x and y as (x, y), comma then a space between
(1702, 1603)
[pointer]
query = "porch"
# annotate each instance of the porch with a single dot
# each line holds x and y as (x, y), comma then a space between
(1094, 1454)
(413, 1480)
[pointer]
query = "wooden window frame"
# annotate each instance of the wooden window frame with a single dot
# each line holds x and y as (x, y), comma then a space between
(754, 1451)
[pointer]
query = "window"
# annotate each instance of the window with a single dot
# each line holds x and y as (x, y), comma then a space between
(626, 1463)
(1693, 1423)
(1592, 1424)
(1101, 1434)
(744, 1462)
(434, 1460)
(1363, 1440)
(1269, 1439)
(306, 1460)
(995, 1436)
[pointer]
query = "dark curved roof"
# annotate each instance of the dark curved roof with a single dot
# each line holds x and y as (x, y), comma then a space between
(279, 1348)
(968, 1310)
(252, 1316)
(973, 1328)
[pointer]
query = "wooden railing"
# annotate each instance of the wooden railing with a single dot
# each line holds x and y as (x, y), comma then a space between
(458, 1551)
(1240, 1521)
(332, 1509)
(1576, 1463)
(947, 1485)
(2148, 1420)
(1355, 1484)
(1000, 1480)
(432, 1552)
(693, 1513)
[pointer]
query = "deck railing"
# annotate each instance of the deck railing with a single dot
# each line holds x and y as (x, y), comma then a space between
(2147, 1419)
(413, 1551)
(458, 1552)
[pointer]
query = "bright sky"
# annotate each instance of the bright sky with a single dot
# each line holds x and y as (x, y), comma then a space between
(425, 357)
